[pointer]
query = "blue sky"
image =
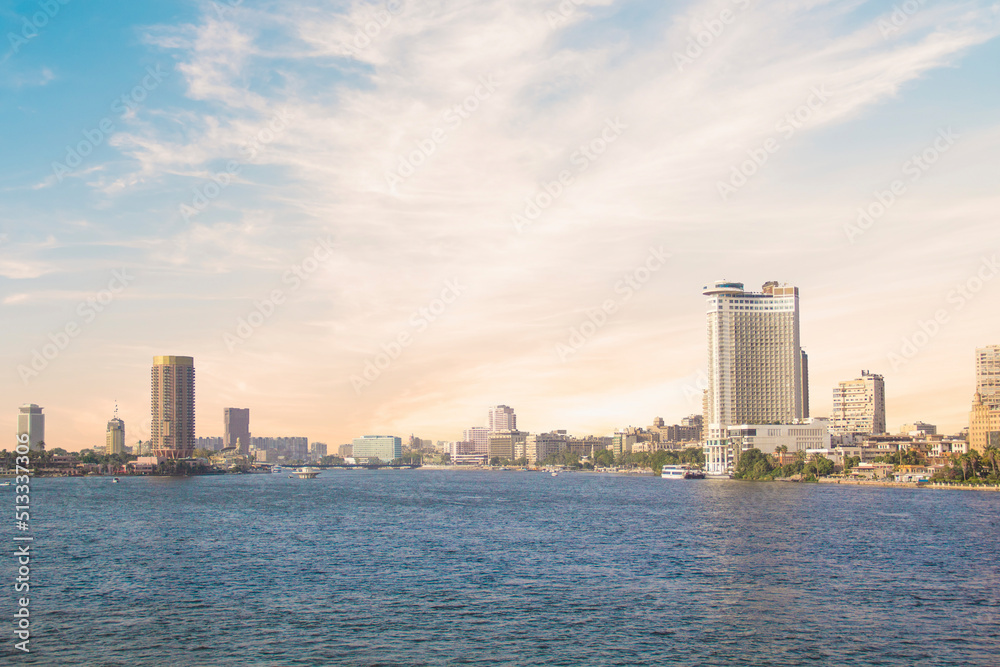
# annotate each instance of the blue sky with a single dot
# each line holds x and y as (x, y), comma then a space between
(267, 135)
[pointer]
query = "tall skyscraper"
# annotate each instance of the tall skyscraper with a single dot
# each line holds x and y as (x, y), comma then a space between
(501, 418)
(859, 406)
(755, 362)
(31, 421)
(237, 429)
(805, 385)
(173, 407)
(988, 374)
(757, 370)
(115, 441)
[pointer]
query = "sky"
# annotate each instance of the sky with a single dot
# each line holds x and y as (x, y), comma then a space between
(385, 217)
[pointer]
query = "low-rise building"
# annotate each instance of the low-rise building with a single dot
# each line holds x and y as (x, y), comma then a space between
(503, 444)
(872, 471)
(385, 448)
(540, 446)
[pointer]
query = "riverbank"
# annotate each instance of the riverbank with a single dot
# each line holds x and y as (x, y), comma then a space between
(908, 485)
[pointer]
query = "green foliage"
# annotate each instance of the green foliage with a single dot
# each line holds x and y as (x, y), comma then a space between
(753, 464)
(564, 458)
(972, 468)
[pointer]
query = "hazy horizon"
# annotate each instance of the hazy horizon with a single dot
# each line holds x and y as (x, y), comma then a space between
(274, 192)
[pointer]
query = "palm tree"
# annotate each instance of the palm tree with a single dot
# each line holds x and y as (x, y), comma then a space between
(990, 455)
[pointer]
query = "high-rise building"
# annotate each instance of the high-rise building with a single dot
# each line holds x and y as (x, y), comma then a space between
(805, 385)
(984, 425)
(317, 450)
(236, 422)
(385, 448)
(501, 418)
(756, 367)
(173, 407)
(859, 406)
(479, 437)
(115, 441)
(31, 421)
(988, 374)
(211, 443)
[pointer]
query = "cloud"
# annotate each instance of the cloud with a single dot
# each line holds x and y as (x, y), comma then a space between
(415, 137)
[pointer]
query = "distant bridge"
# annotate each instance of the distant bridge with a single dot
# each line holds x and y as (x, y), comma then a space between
(356, 466)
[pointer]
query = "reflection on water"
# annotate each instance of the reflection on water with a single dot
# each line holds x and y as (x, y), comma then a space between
(479, 568)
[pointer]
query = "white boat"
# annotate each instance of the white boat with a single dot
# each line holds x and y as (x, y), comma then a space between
(555, 474)
(681, 472)
(307, 473)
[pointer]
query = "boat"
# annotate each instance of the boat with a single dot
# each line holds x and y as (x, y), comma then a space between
(555, 474)
(4, 483)
(277, 469)
(307, 473)
(115, 480)
(681, 472)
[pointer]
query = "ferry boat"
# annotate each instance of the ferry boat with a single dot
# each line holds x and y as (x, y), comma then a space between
(681, 472)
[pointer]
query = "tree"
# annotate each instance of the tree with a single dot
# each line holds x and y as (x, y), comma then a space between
(752, 464)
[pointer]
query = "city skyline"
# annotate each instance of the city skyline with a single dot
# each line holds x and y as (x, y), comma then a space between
(385, 233)
(508, 416)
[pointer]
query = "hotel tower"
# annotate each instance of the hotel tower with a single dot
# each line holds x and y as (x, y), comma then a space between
(173, 407)
(757, 371)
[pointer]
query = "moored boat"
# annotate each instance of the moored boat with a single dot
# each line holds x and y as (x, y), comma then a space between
(681, 472)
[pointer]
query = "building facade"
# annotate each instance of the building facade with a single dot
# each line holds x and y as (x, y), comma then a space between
(859, 406)
(211, 443)
(917, 428)
(173, 407)
(757, 370)
(540, 446)
(503, 444)
(478, 438)
(984, 424)
(115, 440)
(501, 418)
(236, 422)
(385, 448)
(988, 374)
(31, 423)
